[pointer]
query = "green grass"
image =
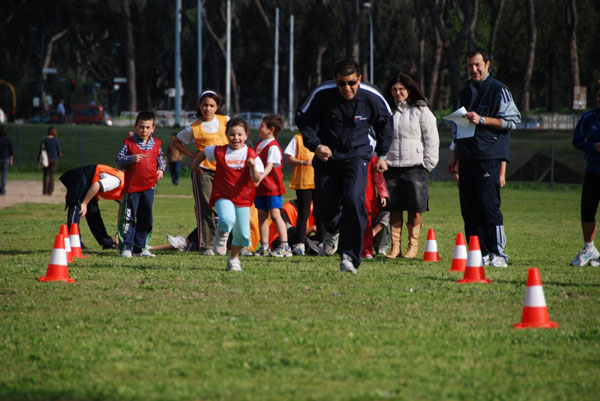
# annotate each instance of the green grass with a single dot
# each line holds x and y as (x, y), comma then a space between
(179, 327)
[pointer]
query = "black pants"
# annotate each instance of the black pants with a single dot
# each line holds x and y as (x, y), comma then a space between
(94, 221)
(340, 202)
(479, 188)
(590, 197)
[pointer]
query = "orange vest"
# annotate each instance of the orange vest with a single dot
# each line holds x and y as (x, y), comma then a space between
(115, 193)
(303, 177)
(203, 139)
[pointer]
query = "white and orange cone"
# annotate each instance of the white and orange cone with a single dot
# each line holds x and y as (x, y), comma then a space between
(474, 271)
(431, 251)
(57, 268)
(75, 241)
(64, 231)
(535, 312)
(459, 257)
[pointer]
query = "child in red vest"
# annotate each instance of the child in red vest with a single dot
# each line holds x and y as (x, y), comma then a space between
(270, 189)
(238, 168)
(373, 199)
(144, 163)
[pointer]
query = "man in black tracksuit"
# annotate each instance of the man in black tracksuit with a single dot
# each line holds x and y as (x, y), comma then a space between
(335, 121)
(480, 160)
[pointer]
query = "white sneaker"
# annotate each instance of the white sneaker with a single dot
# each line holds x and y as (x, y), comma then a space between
(497, 261)
(145, 253)
(382, 251)
(233, 265)
(220, 247)
(346, 265)
(486, 260)
(330, 242)
(595, 262)
(208, 252)
(179, 243)
(246, 252)
(585, 255)
(298, 249)
(126, 253)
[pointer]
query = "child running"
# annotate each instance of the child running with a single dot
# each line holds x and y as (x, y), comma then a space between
(270, 188)
(238, 168)
(144, 163)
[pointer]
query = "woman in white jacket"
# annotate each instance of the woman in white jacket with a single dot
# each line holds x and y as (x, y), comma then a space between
(413, 154)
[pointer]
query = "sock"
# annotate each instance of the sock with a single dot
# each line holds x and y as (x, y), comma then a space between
(589, 244)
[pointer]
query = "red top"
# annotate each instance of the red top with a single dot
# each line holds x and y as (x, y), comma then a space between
(141, 176)
(233, 184)
(375, 180)
(272, 184)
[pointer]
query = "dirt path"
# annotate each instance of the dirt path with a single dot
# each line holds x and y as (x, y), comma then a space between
(18, 191)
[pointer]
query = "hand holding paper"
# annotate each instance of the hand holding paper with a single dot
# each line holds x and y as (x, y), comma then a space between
(464, 128)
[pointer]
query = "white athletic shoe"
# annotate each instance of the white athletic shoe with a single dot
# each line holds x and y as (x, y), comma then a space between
(585, 255)
(177, 242)
(298, 249)
(208, 252)
(126, 253)
(246, 252)
(220, 247)
(233, 265)
(346, 265)
(497, 261)
(145, 253)
(330, 242)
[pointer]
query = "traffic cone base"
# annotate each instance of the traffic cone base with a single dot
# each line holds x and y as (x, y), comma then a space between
(75, 242)
(459, 256)
(431, 252)
(57, 268)
(535, 312)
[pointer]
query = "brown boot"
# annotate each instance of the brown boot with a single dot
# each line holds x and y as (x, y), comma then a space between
(396, 234)
(413, 241)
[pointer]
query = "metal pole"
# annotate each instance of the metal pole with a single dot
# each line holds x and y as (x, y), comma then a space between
(199, 47)
(20, 154)
(79, 149)
(228, 62)
(177, 62)
(551, 164)
(276, 63)
(291, 80)
(371, 44)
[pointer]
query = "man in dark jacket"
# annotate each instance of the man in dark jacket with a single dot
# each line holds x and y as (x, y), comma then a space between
(335, 121)
(480, 160)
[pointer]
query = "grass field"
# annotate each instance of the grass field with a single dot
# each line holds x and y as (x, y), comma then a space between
(179, 327)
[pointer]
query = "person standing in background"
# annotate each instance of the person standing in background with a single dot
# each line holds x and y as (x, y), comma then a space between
(174, 157)
(413, 154)
(6, 157)
(52, 146)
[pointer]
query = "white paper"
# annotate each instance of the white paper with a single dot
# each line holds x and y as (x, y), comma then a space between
(464, 128)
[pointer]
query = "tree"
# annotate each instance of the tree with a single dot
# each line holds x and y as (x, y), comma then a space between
(571, 16)
(47, 60)
(354, 13)
(525, 94)
(129, 56)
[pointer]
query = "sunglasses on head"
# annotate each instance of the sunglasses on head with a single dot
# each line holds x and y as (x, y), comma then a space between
(341, 84)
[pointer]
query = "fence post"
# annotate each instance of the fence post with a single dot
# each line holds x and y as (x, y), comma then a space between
(20, 151)
(79, 149)
(551, 164)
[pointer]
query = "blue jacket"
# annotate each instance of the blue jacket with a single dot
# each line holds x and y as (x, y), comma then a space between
(52, 147)
(344, 125)
(585, 136)
(488, 98)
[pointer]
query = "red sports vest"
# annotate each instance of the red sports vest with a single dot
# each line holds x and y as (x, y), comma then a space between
(272, 184)
(233, 184)
(141, 176)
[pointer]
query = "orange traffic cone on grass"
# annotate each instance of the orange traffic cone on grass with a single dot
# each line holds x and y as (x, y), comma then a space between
(57, 268)
(474, 271)
(459, 257)
(535, 312)
(431, 251)
(64, 231)
(75, 241)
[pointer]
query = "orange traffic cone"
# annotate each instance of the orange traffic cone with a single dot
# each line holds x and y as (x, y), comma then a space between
(75, 241)
(57, 268)
(431, 251)
(64, 231)
(474, 271)
(535, 312)
(459, 257)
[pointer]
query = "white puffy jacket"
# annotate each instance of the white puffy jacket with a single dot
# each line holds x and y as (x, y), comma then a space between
(416, 140)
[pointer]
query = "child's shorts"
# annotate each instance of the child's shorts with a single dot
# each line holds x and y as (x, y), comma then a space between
(267, 203)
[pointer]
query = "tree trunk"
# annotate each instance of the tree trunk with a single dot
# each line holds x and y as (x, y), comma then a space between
(435, 71)
(571, 15)
(420, 43)
(353, 13)
(525, 96)
(319, 65)
(496, 17)
(47, 60)
(129, 55)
